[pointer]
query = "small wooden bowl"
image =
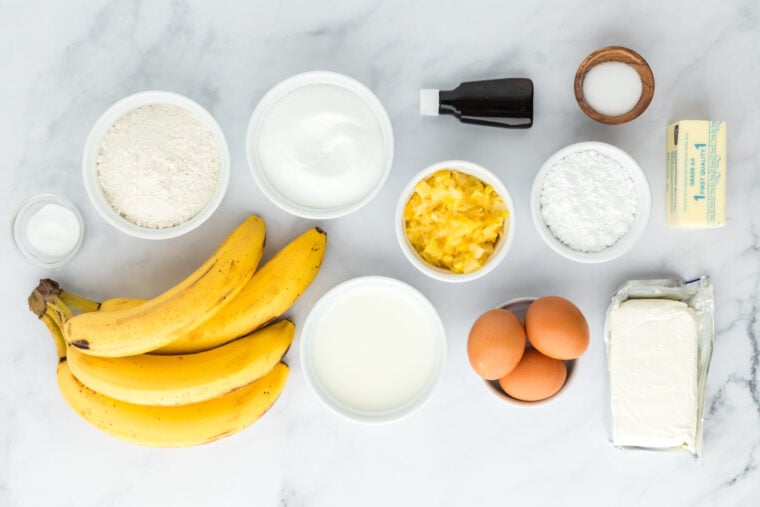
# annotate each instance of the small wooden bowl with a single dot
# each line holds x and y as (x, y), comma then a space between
(623, 55)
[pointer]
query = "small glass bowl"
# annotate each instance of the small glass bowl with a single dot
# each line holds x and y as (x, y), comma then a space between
(20, 220)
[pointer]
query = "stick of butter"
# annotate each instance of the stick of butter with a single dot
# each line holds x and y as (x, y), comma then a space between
(696, 174)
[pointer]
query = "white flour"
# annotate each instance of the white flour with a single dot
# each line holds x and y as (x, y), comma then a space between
(158, 166)
(588, 201)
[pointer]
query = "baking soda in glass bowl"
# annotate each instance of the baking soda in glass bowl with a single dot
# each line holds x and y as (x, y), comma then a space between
(47, 230)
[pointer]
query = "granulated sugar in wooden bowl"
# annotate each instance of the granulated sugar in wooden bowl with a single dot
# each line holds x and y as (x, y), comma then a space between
(156, 165)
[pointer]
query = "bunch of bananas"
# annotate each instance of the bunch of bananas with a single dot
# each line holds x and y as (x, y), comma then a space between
(200, 361)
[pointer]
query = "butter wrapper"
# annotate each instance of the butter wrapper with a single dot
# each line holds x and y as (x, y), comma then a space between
(649, 366)
(695, 184)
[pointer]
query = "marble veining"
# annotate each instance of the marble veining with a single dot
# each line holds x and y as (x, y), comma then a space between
(63, 63)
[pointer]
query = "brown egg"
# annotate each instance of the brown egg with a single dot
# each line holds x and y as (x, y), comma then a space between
(535, 378)
(496, 343)
(556, 327)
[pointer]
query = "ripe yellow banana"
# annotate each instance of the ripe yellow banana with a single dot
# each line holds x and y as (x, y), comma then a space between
(271, 291)
(147, 379)
(118, 303)
(83, 305)
(179, 426)
(171, 315)
(175, 426)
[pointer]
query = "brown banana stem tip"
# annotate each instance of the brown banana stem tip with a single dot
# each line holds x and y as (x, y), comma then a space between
(49, 288)
(37, 303)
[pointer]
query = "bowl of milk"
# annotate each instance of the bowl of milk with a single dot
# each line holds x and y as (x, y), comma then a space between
(320, 145)
(373, 349)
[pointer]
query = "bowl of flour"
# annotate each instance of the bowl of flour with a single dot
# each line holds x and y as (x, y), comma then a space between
(156, 165)
(590, 202)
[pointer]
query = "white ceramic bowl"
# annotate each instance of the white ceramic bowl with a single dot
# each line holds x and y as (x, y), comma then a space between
(425, 310)
(640, 221)
(278, 92)
(19, 222)
(519, 306)
(90, 159)
(502, 245)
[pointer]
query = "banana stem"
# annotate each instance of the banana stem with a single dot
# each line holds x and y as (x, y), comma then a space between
(37, 303)
(50, 319)
(78, 303)
(63, 312)
(50, 289)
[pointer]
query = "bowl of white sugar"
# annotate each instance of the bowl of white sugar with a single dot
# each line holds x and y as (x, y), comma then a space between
(156, 165)
(590, 202)
(614, 85)
(320, 145)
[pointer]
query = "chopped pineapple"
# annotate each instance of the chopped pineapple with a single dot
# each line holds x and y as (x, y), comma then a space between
(454, 220)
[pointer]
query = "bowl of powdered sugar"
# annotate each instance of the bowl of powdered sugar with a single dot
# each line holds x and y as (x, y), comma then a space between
(590, 202)
(156, 165)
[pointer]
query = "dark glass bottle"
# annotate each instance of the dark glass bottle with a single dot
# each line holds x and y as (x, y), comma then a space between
(506, 103)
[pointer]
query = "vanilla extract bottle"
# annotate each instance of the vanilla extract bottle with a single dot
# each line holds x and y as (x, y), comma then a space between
(506, 103)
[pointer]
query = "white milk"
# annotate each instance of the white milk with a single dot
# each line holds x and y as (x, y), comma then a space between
(321, 146)
(374, 348)
(612, 88)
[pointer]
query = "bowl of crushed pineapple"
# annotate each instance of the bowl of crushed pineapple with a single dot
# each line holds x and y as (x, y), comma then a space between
(455, 221)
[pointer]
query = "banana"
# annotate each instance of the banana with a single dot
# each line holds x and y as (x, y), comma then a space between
(147, 379)
(83, 305)
(171, 315)
(117, 303)
(271, 291)
(178, 426)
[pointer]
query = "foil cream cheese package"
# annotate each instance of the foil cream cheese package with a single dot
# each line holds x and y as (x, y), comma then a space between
(659, 336)
(653, 373)
(696, 174)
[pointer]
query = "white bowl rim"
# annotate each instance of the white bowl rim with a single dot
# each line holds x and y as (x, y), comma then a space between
(307, 337)
(625, 243)
(493, 385)
(47, 197)
(503, 245)
(279, 90)
(101, 127)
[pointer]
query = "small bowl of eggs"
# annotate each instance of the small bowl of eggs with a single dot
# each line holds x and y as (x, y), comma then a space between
(526, 349)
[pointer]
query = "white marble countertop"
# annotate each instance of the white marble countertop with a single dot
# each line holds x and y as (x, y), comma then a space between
(63, 63)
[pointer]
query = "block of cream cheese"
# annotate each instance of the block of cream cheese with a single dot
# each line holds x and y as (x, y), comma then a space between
(696, 174)
(653, 374)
